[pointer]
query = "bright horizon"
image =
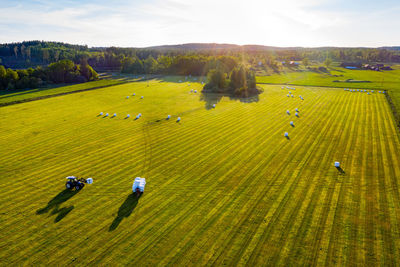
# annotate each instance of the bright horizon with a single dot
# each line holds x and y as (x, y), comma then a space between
(284, 23)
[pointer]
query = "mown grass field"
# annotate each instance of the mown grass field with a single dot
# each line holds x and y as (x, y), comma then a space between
(224, 186)
(377, 80)
(7, 97)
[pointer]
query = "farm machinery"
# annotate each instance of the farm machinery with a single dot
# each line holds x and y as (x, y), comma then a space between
(77, 183)
(138, 186)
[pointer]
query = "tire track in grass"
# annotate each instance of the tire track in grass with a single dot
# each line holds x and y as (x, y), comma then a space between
(121, 145)
(75, 124)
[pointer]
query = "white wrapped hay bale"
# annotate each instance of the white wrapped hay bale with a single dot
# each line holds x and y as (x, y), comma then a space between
(291, 123)
(89, 180)
(288, 112)
(297, 114)
(139, 183)
(101, 113)
(288, 95)
(142, 97)
(179, 119)
(106, 114)
(133, 94)
(297, 110)
(286, 134)
(292, 95)
(195, 91)
(213, 105)
(128, 116)
(115, 115)
(337, 164)
(127, 97)
(168, 117)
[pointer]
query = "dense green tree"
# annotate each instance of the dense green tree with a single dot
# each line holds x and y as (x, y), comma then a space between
(305, 61)
(88, 72)
(3, 73)
(61, 71)
(328, 62)
(150, 65)
(216, 80)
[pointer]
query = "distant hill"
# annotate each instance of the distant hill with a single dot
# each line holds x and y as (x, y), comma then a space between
(396, 48)
(215, 46)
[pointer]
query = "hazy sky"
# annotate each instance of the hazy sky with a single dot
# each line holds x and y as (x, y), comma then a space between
(140, 23)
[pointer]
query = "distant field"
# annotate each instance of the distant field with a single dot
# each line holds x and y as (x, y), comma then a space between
(224, 186)
(378, 80)
(24, 95)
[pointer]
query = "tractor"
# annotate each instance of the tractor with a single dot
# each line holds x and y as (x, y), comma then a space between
(77, 183)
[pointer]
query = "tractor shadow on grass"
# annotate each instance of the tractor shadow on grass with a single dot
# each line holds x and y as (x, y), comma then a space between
(54, 205)
(340, 170)
(125, 210)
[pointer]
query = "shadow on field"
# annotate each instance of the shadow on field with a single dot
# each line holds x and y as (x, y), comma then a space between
(213, 98)
(55, 203)
(340, 170)
(125, 210)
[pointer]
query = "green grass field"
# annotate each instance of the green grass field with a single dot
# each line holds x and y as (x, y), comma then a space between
(7, 97)
(378, 80)
(224, 186)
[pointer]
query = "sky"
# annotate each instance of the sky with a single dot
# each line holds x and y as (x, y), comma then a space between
(142, 23)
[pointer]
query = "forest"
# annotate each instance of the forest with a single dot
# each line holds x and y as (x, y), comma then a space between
(31, 63)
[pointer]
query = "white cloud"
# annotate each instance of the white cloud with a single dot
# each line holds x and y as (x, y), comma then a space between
(281, 23)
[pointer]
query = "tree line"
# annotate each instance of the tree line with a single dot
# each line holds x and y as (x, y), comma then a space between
(169, 58)
(240, 81)
(63, 71)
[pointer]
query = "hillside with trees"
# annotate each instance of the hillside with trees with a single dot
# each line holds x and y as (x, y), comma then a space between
(63, 71)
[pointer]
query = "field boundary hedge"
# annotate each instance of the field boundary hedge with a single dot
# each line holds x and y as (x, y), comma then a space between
(58, 94)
